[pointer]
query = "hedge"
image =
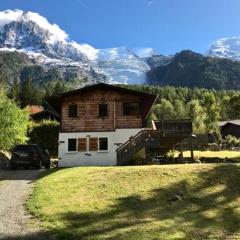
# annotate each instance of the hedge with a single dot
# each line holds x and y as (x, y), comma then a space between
(45, 133)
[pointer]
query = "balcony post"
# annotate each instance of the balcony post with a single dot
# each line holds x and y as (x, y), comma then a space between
(191, 149)
(181, 149)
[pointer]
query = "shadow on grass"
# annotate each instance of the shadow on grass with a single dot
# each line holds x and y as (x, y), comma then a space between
(30, 236)
(207, 210)
(29, 175)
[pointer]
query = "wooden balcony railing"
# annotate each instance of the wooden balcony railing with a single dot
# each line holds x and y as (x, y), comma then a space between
(174, 128)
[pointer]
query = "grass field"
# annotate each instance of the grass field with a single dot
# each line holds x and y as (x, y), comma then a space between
(200, 201)
(214, 154)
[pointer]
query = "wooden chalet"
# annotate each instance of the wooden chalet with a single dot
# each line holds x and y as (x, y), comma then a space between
(103, 124)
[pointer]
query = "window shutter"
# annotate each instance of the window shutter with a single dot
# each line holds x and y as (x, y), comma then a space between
(93, 144)
(82, 144)
(93, 109)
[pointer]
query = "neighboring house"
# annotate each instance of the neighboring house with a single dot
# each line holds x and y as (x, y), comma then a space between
(45, 115)
(231, 127)
(32, 109)
(103, 124)
(37, 113)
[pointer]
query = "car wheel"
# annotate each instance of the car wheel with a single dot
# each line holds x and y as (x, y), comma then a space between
(47, 166)
(39, 165)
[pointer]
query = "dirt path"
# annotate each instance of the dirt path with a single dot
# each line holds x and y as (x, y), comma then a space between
(14, 221)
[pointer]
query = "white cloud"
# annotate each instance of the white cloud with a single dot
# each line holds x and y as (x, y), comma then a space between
(54, 29)
(18, 15)
(151, 2)
(82, 3)
(9, 16)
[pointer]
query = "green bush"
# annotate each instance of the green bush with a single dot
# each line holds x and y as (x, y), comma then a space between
(170, 155)
(231, 141)
(45, 134)
(13, 123)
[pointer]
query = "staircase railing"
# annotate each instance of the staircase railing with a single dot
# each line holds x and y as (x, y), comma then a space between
(165, 132)
(126, 151)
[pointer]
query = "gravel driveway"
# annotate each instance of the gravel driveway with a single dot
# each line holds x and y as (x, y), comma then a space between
(14, 189)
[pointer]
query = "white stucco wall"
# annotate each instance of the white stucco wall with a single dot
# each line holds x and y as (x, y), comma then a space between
(107, 158)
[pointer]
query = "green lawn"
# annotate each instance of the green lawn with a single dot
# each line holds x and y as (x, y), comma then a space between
(140, 202)
(215, 154)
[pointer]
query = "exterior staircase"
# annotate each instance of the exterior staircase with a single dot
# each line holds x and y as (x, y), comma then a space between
(161, 138)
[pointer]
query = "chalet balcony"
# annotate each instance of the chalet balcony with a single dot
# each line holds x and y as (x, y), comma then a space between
(173, 128)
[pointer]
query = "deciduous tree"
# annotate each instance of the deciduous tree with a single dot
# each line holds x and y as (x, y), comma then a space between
(13, 123)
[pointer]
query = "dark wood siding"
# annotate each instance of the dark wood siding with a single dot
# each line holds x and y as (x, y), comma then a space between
(88, 119)
(124, 121)
(230, 129)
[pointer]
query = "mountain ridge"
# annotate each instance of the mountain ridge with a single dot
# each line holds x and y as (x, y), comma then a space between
(48, 46)
(190, 69)
(32, 34)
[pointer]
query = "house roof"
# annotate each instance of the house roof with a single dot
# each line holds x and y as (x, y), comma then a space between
(46, 114)
(149, 99)
(107, 86)
(34, 108)
(235, 122)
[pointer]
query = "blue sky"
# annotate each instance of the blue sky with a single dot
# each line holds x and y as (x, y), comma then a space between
(168, 26)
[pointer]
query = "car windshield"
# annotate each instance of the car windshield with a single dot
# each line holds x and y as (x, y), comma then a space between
(26, 149)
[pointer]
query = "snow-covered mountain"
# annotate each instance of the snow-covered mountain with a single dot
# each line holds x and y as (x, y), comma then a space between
(121, 65)
(50, 46)
(226, 48)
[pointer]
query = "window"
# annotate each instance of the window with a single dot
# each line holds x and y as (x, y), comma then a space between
(131, 108)
(73, 111)
(102, 110)
(72, 145)
(103, 144)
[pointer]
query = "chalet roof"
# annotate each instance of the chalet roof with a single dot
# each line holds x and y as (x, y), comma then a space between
(34, 108)
(235, 122)
(55, 101)
(46, 114)
(107, 86)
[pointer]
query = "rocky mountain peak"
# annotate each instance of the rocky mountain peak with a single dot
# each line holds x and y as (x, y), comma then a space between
(48, 44)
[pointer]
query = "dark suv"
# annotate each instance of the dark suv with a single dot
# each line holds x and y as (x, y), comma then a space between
(29, 156)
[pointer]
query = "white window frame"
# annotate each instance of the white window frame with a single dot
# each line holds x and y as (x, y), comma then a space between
(102, 151)
(76, 145)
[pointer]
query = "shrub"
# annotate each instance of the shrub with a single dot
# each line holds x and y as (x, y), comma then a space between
(45, 133)
(170, 155)
(231, 141)
(13, 123)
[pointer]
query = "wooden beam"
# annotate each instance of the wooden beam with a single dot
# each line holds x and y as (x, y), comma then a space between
(191, 149)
